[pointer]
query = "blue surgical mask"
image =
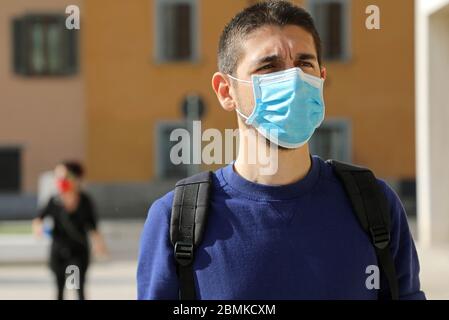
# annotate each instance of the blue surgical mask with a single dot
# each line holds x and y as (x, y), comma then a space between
(289, 106)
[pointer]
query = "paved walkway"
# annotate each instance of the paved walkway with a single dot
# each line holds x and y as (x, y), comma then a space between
(105, 281)
(24, 273)
(435, 272)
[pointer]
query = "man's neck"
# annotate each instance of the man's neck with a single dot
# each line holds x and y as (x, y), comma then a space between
(292, 166)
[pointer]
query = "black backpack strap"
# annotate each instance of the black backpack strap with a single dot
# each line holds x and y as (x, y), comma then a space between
(188, 220)
(371, 208)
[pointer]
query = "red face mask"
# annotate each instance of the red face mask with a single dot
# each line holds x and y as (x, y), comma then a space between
(64, 185)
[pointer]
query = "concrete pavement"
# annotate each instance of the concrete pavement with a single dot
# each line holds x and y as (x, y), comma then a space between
(24, 273)
(105, 281)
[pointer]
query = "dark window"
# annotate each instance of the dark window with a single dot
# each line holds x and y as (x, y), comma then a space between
(407, 193)
(176, 34)
(331, 19)
(332, 140)
(9, 170)
(165, 167)
(44, 46)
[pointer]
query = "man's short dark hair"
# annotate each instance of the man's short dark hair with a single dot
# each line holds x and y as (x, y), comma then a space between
(271, 12)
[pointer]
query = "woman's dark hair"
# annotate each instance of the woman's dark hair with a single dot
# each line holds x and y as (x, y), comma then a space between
(75, 168)
(271, 12)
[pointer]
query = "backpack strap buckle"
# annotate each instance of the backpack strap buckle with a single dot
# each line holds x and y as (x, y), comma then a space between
(183, 253)
(380, 236)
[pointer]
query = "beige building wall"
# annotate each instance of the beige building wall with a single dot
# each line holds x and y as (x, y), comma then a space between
(43, 115)
(375, 88)
(127, 92)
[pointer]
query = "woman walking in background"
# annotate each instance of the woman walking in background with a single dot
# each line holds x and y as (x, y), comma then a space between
(74, 218)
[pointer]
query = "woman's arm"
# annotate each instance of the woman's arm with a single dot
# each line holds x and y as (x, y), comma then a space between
(37, 223)
(98, 244)
(37, 227)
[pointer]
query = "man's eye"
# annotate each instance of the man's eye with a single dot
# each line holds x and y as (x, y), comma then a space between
(306, 64)
(266, 67)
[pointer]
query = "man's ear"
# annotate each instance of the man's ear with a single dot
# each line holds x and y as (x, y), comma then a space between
(323, 73)
(222, 89)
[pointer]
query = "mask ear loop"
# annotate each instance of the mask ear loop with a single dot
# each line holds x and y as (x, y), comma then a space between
(239, 80)
(243, 81)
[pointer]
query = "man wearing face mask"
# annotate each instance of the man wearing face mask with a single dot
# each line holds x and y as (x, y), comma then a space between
(74, 219)
(294, 234)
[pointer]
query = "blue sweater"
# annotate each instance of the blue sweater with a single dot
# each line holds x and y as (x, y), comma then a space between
(296, 241)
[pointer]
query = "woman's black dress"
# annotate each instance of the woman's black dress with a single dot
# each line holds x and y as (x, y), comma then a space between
(70, 245)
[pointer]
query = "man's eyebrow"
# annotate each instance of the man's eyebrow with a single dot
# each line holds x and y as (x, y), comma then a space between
(272, 58)
(276, 58)
(305, 56)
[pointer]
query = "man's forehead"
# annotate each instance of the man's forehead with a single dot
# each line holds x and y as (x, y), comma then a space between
(285, 42)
